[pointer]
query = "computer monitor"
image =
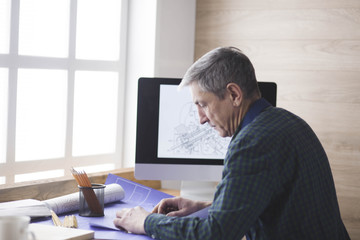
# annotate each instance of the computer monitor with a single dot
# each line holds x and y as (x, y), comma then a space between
(171, 144)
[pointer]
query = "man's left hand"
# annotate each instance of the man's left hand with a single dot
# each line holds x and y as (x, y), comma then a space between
(131, 219)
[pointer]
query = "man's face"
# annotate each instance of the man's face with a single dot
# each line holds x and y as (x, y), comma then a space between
(217, 112)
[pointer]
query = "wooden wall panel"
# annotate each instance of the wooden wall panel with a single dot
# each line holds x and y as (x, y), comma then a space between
(311, 49)
(280, 24)
(274, 4)
(307, 55)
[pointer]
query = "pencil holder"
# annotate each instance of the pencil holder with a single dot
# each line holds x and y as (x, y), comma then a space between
(91, 200)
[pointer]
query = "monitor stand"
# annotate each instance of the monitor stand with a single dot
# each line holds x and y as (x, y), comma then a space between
(198, 190)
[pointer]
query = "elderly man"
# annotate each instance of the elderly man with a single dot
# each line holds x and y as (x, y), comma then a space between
(276, 183)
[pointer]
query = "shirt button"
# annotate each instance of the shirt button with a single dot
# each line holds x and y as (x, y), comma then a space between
(153, 236)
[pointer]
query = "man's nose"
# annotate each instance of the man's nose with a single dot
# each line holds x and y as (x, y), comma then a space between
(202, 116)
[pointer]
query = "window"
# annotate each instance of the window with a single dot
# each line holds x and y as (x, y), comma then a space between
(3, 115)
(61, 79)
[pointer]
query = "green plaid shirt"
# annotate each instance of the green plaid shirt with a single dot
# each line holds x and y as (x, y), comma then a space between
(277, 184)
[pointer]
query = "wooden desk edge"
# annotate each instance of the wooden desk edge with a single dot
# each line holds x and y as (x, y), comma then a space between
(172, 192)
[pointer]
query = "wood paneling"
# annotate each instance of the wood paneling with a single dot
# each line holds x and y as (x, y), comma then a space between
(311, 49)
(209, 5)
(280, 24)
(305, 55)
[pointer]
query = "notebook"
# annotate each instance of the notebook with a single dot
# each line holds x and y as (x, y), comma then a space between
(49, 232)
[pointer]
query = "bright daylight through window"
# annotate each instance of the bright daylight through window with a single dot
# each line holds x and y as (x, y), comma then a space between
(61, 72)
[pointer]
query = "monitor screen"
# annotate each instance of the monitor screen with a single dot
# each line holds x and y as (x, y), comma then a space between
(179, 133)
(171, 144)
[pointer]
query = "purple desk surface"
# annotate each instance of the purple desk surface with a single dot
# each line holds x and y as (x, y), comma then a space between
(135, 195)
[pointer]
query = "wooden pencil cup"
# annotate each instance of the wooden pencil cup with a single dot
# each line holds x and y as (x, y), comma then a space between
(91, 200)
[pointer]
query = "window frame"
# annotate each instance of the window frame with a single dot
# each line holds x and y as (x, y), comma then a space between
(13, 61)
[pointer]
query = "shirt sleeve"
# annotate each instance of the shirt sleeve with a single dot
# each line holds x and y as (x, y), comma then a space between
(159, 226)
(246, 189)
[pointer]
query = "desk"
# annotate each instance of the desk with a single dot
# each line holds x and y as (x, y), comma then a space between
(172, 192)
(135, 195)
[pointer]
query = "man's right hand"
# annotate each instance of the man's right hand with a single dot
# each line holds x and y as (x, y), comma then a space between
(179, 207)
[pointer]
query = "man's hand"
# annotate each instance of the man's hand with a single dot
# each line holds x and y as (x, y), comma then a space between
(131, 219)
(179, 207)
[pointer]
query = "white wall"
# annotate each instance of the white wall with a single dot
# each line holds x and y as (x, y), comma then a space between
(175, 37)
(161, 37)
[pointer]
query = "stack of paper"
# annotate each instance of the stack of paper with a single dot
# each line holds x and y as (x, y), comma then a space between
(27, 207)
(68, 203)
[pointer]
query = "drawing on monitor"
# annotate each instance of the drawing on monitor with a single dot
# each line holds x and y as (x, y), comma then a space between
(180, 133)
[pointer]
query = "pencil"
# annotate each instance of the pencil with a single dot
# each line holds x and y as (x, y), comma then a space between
(86, 187)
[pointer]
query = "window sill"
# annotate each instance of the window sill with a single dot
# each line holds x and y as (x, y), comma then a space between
(42, 190)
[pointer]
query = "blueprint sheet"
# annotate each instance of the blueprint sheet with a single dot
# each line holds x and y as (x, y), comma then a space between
(135, 195)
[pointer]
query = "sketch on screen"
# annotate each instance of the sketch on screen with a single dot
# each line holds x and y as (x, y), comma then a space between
(180, 133)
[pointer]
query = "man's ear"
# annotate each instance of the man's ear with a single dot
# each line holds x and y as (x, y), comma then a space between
(235, 94)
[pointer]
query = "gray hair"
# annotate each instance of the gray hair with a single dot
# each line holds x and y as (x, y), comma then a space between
(219, 67)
